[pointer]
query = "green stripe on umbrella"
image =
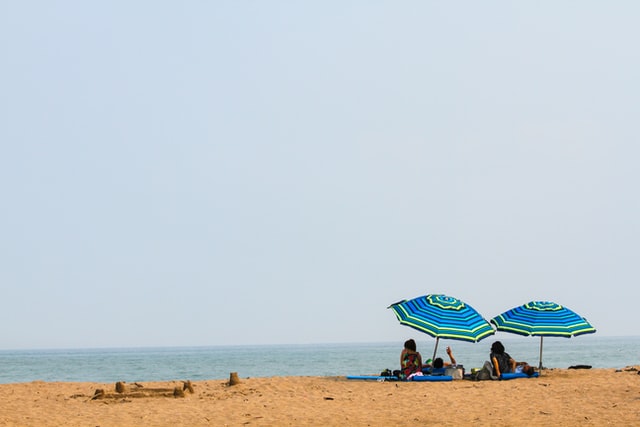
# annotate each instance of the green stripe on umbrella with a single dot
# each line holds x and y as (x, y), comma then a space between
(442, 316)
(543, 319)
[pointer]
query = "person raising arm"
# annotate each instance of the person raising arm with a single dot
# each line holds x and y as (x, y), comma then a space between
(439, 363)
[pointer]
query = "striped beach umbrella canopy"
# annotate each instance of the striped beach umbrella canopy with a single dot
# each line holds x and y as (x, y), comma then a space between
(442, 316)
(543, 319)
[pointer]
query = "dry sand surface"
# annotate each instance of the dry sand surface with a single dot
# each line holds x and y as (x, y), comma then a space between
(594, 397)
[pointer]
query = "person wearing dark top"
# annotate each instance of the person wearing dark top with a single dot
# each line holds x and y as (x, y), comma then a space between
(500, 359)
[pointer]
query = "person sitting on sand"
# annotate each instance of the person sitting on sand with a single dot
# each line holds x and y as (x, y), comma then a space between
(500, 359)
(410, 360)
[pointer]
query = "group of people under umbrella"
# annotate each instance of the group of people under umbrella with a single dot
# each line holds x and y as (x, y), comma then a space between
(442, 316)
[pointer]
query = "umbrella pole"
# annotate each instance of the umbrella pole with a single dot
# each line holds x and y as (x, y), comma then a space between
(435, 349)
(540, 366)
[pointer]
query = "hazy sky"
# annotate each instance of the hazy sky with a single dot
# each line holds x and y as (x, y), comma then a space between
(262, 172)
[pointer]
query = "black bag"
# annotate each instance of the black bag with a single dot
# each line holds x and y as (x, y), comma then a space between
(386, 373)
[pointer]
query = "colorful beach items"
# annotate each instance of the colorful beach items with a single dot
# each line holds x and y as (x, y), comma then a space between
(543, 319)
(442, 316)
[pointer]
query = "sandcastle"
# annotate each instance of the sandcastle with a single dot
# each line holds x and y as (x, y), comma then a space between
(137, 390)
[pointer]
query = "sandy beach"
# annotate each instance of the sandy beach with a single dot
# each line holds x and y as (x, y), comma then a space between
(558, 397)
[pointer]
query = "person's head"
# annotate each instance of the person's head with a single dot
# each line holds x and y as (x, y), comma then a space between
(410, 345)
(438, 363)
(528, 369)
(497, 347)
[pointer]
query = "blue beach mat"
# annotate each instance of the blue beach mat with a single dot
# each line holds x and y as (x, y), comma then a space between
(371, 378)
(433, 378)
(512, 376)
(419, 378)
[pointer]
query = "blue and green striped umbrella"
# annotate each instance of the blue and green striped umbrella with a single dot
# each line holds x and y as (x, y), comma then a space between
(442, 316)
(543, 319)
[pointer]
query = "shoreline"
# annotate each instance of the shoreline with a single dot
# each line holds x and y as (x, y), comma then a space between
(559, 396)
(319, 360)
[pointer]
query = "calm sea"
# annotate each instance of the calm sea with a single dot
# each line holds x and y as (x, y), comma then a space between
(200, 363)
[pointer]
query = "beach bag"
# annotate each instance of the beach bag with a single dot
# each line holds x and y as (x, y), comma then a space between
(486, 373)
(386, 373)
(456, 372)
(483, 374)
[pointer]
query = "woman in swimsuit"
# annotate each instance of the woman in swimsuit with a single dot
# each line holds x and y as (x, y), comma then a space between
(410, 360)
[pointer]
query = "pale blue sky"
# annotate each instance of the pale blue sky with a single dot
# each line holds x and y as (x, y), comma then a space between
(244, 172)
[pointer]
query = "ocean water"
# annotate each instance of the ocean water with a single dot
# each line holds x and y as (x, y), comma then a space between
(216, 362)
